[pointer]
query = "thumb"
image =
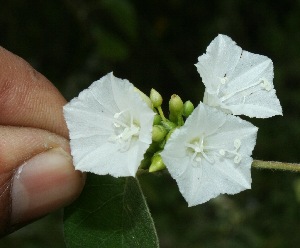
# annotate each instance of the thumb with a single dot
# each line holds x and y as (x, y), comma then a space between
(37, 177)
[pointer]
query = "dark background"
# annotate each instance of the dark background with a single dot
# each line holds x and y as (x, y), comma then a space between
(156, 44)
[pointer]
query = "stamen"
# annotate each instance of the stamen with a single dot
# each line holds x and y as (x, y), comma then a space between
(265, 84)
(222, 152)
(244, 99)
(262, 82)
(198, 149)
(116, 124)
(211, 161)
(237, 143)
(124, 131)
(117, 115)
(237, 156)
(195, 160)
(237, 159)
(223, 80)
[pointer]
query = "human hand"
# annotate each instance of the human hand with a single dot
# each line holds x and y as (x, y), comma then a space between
(36, 171)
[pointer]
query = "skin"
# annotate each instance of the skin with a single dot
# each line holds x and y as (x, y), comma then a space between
(36, 171)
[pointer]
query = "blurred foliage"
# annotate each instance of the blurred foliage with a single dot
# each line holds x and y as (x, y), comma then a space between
(155, 44)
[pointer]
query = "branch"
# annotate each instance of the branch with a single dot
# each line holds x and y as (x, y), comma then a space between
(271, 165)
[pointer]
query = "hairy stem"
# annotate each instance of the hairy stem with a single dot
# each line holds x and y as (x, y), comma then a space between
(258, 164)
(271, 165)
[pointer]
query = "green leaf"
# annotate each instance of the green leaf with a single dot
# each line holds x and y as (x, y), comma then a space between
(110, 212)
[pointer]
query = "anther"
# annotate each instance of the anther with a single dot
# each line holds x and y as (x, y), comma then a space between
(265, 84)
(223, 80)
(237, 159)
(237, 143)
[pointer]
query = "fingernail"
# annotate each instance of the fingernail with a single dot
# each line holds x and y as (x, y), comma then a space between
(43, 184)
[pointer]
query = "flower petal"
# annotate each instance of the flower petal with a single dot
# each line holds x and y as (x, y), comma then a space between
(223, 166)
(96, 119)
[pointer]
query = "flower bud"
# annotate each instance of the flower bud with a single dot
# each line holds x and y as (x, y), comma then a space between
(175, 105)
(173, 118)
(157, 120)
(157, 163)
(156, 98)
(168, 125)
(188, 108)
(158, 133)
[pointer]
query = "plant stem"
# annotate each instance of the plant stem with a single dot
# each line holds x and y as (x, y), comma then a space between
(271, 165)
(161, 113)
(258, 164)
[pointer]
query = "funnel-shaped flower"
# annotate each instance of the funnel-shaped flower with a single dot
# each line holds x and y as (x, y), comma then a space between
(210, 154)
(110, 127)
(238, 82)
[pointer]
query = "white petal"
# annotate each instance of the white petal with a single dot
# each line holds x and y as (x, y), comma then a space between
(217, 174)
(243, 85)
(91, 119)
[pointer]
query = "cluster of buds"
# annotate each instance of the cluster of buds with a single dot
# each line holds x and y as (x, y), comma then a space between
(163, 128)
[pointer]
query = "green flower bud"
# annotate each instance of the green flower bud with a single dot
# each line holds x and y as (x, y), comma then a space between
(188, 108)
(158, 133)
(168, 125)
(157, 163)
(157, 119)
(173, 117)
(156, 98)
(175, 105)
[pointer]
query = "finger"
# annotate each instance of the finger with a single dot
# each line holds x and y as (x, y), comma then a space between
(36, 175)
(27, 98)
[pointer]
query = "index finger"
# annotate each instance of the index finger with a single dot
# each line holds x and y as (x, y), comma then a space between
(27, 98)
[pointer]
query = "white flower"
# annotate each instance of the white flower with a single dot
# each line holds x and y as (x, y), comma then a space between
(210, 154)
(110, 127)
(236, 81)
